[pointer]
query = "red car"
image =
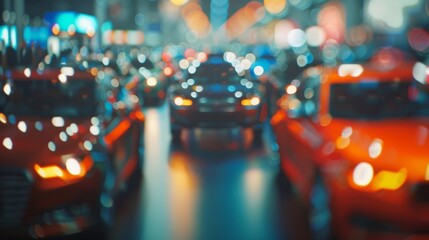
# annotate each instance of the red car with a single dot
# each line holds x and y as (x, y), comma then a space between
(353, 141)
(66, 152)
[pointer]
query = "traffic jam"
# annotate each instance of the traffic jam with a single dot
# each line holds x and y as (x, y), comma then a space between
(199, 119)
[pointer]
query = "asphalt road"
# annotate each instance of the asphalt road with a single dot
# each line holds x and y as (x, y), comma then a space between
(211, 184)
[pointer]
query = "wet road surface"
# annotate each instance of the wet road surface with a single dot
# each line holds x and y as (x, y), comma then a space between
(211, 184)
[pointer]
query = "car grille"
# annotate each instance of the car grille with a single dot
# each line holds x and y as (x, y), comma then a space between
(15, 186)
(421, 192)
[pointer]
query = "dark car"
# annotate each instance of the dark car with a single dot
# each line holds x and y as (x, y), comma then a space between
(66, 152)
(214, 95)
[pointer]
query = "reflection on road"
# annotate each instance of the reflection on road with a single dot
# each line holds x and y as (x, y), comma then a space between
(215, 184)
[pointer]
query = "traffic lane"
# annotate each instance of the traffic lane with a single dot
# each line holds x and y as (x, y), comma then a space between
(213, 184)
(238, 193)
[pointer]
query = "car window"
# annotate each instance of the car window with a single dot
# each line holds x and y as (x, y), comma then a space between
(305, 101)
(377, 100)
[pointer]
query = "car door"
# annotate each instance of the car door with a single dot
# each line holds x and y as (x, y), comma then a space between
(297, 132)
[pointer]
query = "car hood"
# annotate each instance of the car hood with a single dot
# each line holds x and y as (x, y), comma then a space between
(387, 145)
(215, 90)
(28, 140)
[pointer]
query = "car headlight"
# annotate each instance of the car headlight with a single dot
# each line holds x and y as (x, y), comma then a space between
(180, 101)
(363, 174)
(151, 82)
(72, 167)
(253, 101)
(365, 178)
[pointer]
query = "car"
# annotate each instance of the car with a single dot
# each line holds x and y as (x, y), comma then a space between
(68, 151)
(212, 94)
(152, 86)
(353, 144)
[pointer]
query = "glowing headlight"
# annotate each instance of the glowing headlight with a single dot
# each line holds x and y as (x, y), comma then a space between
(151, 82)
(254, 101)
(73, 166)
(363, 174)
(179, 101)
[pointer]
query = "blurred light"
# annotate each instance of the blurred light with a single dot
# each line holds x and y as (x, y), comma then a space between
(420, 72)
(62, 78)
(192, 69)
(184, 85)
(3, 118)
(38, 125)
(114, 82)
(301, 60)
(332, 19)
(342, 142)
(275, 6)
(199, 88)
(179, 2)
(151, 82)
(52, 146)
(87, 145)
(254, 101)
(347, 132)
(389, 180)
(190, 81)
(73, 166)
(390, 14)
(22, 126)
(419, 39)
(194, 94)
(48, 171)
(7, 143)
(95, 130)
(57, 121)
(183, 64)
(94, 121)
(258, 70)
(291, 89)
(7, 89)
(179, 101)
(55, 29)
(354, 70)
(71, 30)
(63, 136)
(296, 38)
(375, 148)
(316, 36)
(238, 94)
(363, 174)
(202, 57)
(168, 71)
(27, 72)
(68, 71)
(229, 57)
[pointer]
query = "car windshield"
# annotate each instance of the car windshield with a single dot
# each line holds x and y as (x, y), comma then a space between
(75, 98)
(216, 73)
(378, 100)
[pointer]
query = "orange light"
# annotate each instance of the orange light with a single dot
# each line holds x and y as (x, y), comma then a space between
(56, 29)
(117, 132)
(275, 6)
(49, 171)
(254, 101)
(168, 71)
(179, 101)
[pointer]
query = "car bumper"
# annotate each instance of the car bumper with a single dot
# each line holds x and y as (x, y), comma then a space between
(212, 118)
(383, 212)
(53, 212)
